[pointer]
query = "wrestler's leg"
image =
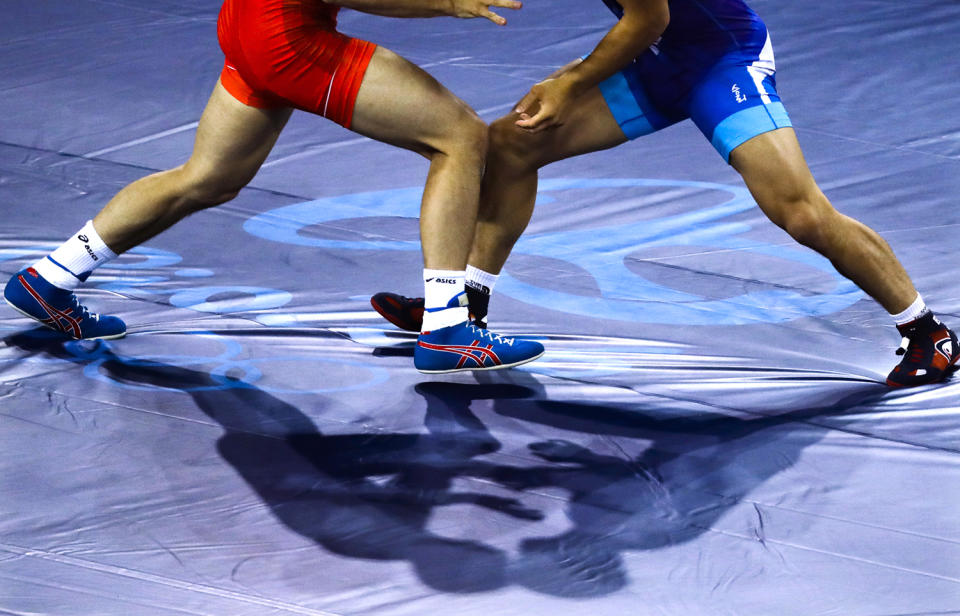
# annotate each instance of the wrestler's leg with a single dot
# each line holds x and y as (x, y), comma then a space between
(774, 169)
(401, 104)
(508, 194)
(777, 175)
(509, 187)
(232, 141)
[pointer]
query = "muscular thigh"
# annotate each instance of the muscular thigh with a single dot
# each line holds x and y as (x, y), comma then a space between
(774, 169)
(401, 104)
(233, 139)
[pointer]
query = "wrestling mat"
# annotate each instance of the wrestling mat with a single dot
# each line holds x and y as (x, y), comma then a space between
(707, 433)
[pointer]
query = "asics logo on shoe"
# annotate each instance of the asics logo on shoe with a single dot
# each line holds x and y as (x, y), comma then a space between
(33, 272)
(945, 348)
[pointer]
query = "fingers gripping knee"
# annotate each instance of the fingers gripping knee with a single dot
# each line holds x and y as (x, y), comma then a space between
(511, 146)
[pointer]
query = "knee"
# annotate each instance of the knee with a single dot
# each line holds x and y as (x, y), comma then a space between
(510, 147)
(810, 221)
(202, 189)
(465, 137)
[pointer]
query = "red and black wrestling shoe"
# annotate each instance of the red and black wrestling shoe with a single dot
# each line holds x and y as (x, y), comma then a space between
(407, 312)
(404, 312)
(930, 353)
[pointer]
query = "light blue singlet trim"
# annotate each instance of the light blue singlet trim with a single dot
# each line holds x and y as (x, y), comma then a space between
(747, 124)
(623, 104)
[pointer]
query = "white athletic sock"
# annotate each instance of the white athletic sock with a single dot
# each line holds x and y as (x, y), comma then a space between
(443, 290)
(913, 312)
(481, 280)
(71, 263)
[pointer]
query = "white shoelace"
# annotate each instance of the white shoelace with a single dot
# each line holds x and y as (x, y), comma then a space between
(904, 345)
(492, 336)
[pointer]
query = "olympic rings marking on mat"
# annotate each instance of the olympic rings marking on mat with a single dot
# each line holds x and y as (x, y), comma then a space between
(624, 295)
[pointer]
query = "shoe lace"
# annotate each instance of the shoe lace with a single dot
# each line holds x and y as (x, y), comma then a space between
(79, 311)
(904, 345)
(486, 333)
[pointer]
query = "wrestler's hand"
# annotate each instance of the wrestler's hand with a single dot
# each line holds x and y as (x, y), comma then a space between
(481, 8)
(545, 105)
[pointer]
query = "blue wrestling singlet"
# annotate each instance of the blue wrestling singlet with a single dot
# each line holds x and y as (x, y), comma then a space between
(714, 64)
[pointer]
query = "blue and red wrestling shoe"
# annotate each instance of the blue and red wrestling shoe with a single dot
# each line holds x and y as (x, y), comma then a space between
(30, 294)
(930, 353)
(465, 347)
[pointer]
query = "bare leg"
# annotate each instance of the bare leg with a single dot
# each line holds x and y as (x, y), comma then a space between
(232, 142)
(773, 167)
(509, 188)
(400, 104)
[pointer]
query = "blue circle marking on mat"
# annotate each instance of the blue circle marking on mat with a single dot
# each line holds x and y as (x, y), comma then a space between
(193, 272)
(260, 299)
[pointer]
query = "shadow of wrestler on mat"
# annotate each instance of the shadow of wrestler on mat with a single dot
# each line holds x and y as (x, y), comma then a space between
(366, 495)
(693, 467)
(331, 488)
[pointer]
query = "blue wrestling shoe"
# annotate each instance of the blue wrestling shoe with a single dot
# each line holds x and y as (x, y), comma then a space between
(465, 347)
(31, 295)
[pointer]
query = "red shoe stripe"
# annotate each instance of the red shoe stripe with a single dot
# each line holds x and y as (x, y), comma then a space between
(463, 358)
(55, 314)
(466, 352)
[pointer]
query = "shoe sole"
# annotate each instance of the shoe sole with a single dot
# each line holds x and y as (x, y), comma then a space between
(35, 319)
(479, 368)
(947, 373)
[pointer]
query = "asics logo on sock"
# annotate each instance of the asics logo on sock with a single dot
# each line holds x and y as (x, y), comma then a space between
(83, 238)
(443, 280)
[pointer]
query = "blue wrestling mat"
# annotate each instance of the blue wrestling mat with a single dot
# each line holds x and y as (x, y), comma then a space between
(706, 435)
